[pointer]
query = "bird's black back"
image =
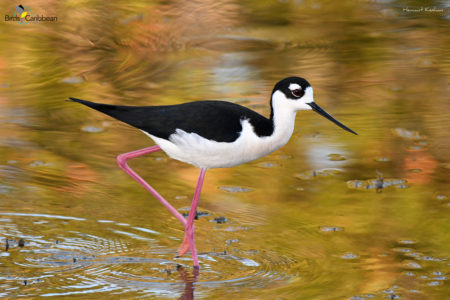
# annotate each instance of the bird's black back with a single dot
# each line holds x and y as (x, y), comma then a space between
(214, 120)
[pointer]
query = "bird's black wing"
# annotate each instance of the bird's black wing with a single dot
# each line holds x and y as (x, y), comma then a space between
(214, 120)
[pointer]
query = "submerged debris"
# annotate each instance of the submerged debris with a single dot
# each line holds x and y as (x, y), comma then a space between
(21, 243)
(336, 157)
(378, 183)
(314, 174)
(349, 255)
(220, 220)
(330, 228)
(234, 189)
(197, 214)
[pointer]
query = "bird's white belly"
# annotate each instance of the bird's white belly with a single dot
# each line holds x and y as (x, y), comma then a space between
(198, 151)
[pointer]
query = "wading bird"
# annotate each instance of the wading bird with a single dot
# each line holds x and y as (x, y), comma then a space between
(213, 134)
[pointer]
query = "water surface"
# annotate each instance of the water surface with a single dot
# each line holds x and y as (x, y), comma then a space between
(329, 216)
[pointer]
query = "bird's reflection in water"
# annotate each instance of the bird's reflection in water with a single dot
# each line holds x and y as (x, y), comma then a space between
(189, 281)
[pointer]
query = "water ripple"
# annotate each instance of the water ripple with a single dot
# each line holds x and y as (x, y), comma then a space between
(122, 261)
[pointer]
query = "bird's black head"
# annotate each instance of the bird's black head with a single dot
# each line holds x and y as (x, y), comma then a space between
(292, 87)
(295, 93)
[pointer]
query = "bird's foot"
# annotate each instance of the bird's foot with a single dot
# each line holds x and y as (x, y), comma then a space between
(184, 247)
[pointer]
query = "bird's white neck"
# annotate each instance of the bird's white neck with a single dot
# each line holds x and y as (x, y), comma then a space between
(283, 118)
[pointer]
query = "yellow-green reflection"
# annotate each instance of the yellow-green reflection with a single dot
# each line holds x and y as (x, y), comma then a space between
(90, 230)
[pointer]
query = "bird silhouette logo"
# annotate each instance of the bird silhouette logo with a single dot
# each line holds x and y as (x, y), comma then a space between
(22, 12)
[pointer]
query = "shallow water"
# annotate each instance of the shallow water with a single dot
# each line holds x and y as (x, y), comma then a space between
(328, 216)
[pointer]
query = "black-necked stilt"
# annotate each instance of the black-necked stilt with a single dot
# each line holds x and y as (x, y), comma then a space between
(213, 134)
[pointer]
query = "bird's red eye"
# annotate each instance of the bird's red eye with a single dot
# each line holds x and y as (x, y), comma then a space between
(297, 92)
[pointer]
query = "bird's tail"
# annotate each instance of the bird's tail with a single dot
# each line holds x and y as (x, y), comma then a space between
(104, 108)
(132, 115)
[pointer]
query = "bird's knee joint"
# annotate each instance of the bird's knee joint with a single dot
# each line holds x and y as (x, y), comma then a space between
(121, 160)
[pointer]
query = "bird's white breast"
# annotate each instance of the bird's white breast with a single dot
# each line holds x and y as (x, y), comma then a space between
(198, 151)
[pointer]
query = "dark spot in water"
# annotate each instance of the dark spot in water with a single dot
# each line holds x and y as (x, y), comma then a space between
(7, 245)
(197, 214)
(57, 242)
(232, 241)
(330, 228)
(220, 220)
(377, 184)
(202, 213)
(431, 258)
(21, 243)
(74, 259)
(25, 282)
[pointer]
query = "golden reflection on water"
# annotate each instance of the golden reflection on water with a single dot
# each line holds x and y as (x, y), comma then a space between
(294, 229)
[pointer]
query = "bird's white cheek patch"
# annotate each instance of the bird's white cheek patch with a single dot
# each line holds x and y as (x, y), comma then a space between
(308, 97)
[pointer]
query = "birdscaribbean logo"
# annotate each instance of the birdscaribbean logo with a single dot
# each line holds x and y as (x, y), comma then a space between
(23, 15)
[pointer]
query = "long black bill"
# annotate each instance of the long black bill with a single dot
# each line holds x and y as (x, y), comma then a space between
(320, 111)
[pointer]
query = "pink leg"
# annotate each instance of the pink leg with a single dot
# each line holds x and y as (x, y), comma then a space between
(188, 242)
(122, 161)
